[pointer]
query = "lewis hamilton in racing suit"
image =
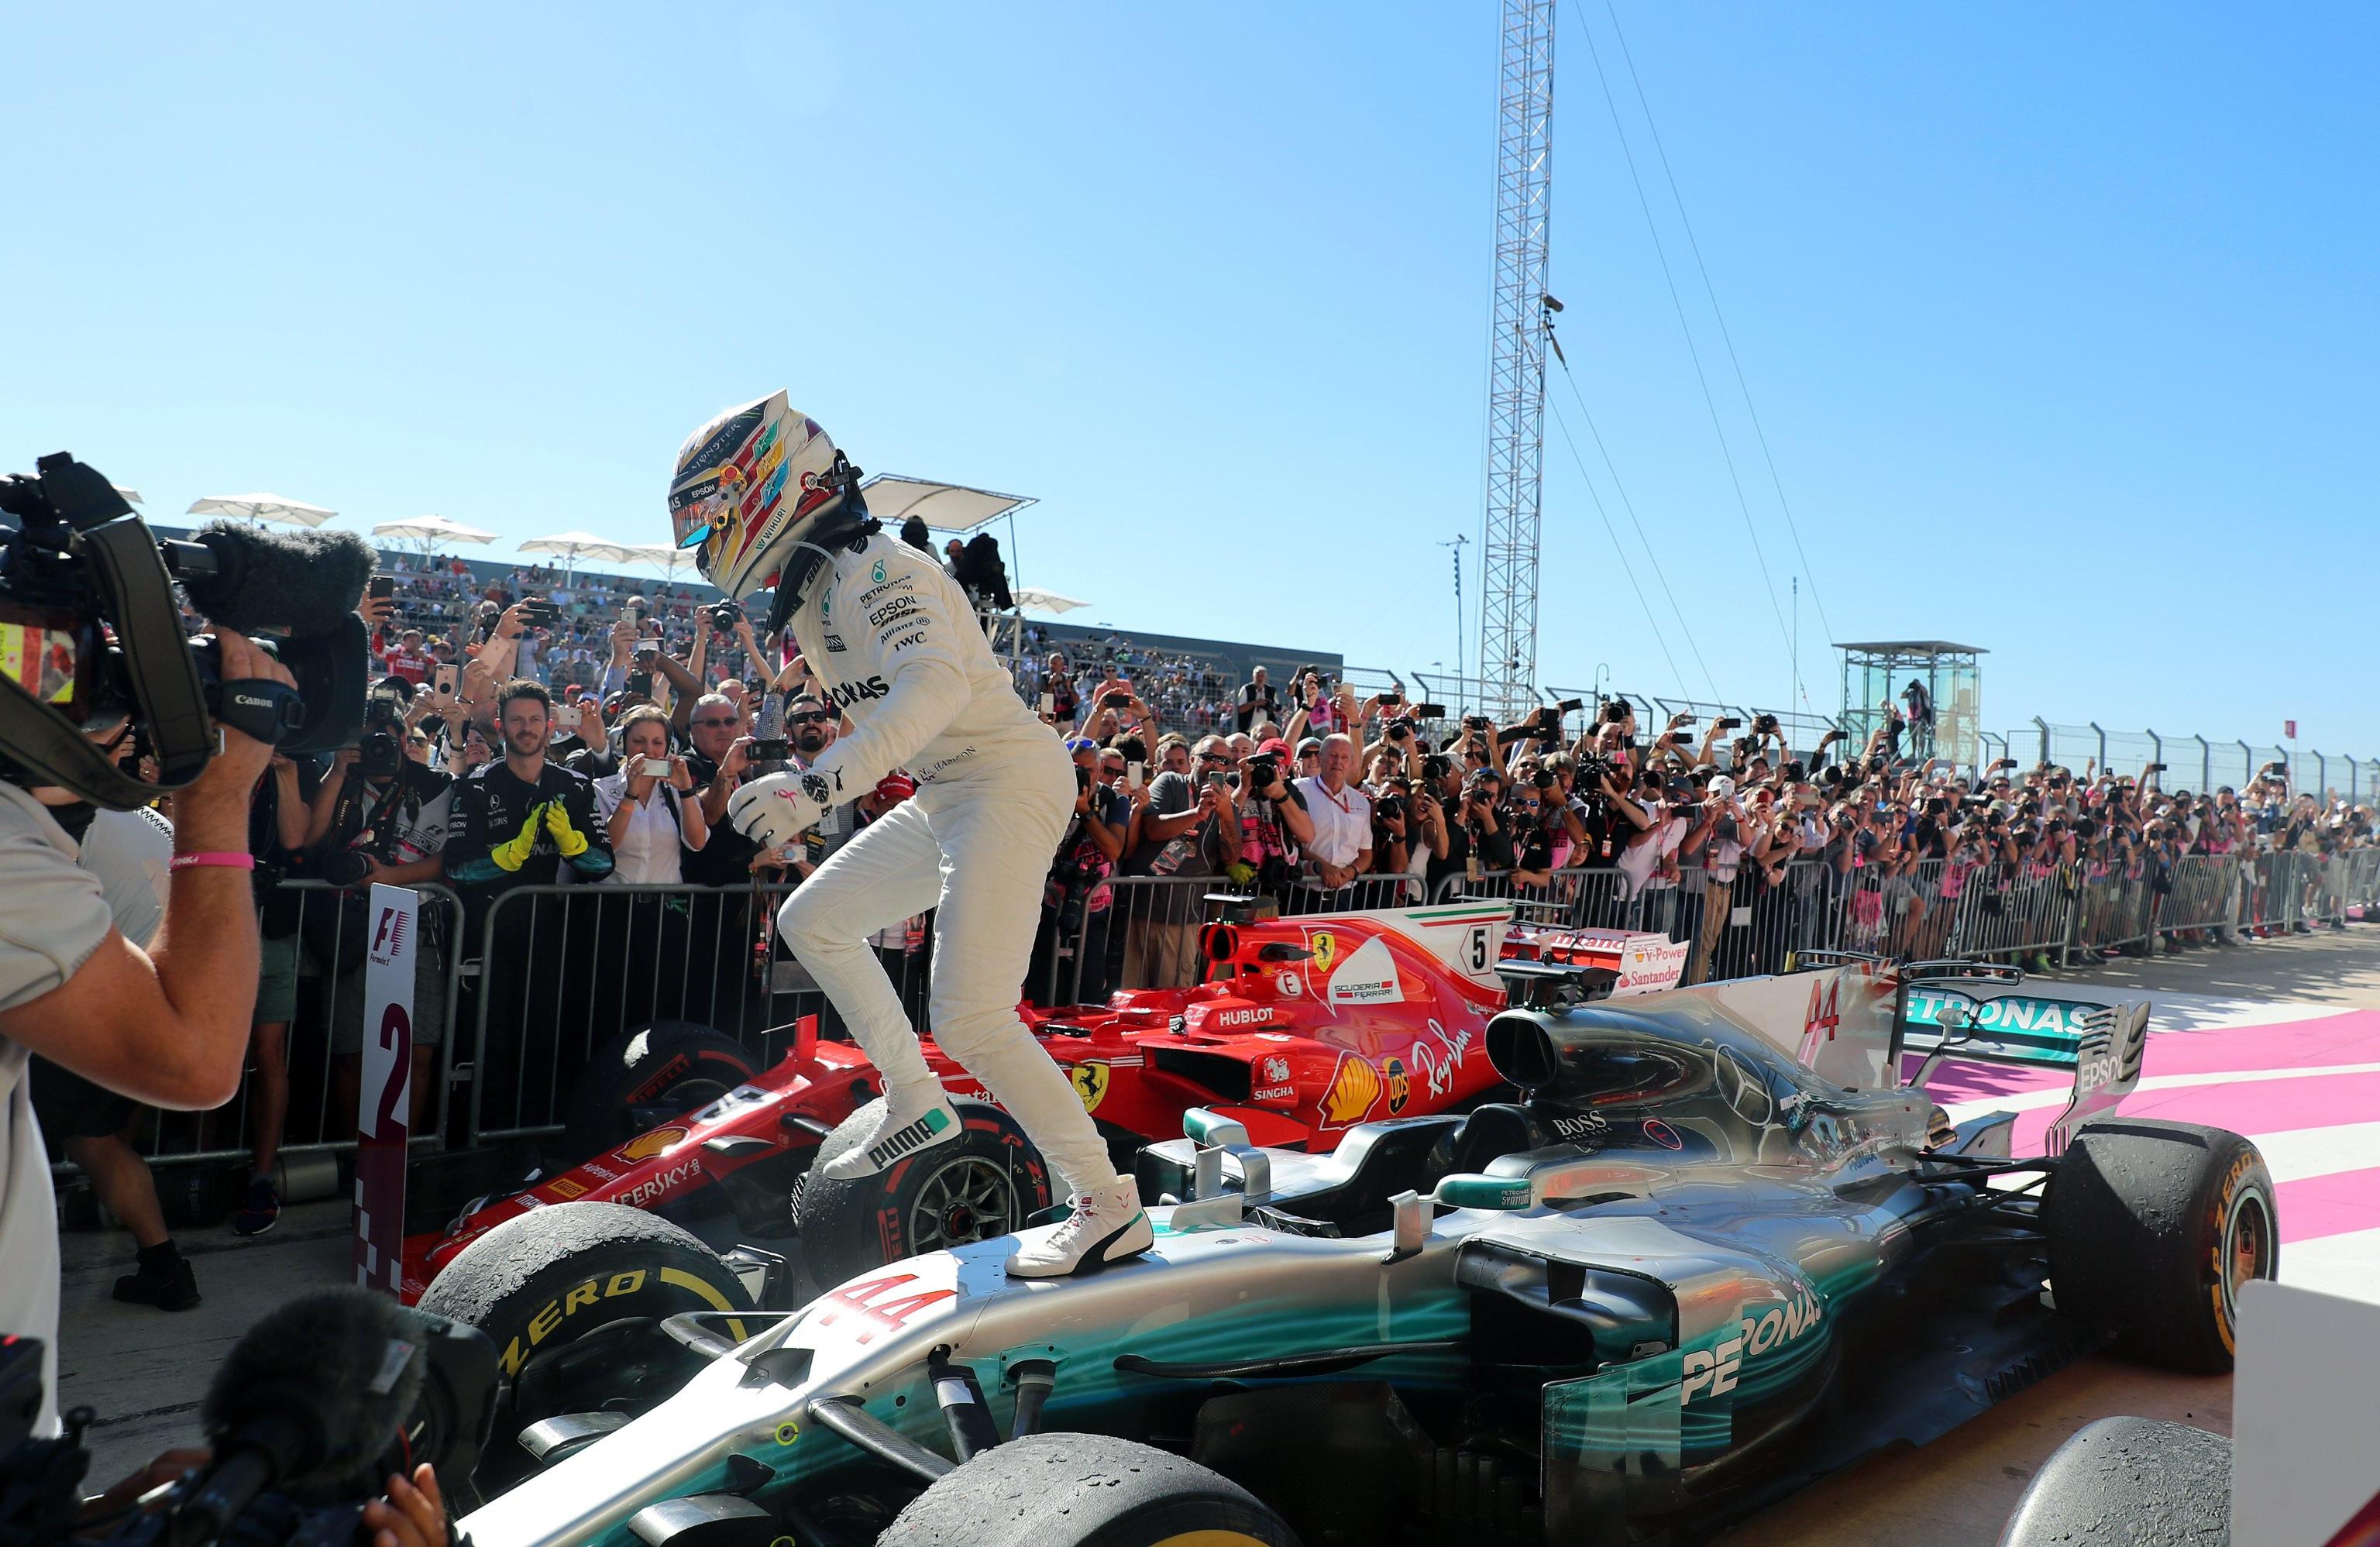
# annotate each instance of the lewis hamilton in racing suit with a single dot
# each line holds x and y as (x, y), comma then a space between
(896, 646)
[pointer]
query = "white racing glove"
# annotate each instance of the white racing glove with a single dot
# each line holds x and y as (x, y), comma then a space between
(774, 810)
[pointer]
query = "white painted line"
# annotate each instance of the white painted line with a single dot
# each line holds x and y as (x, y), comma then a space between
(2032, 1101)
(2294, 1155)
(2347, 1265)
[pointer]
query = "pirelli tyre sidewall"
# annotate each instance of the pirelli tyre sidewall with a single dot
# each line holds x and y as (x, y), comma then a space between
(596, 1274)
(2152, 1228)
(987, 1183)
(1061, 1489)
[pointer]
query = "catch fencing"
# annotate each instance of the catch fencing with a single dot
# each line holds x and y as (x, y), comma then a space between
(552, 974)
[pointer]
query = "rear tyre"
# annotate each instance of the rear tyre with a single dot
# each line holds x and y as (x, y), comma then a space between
(650, 1074)
(1085, 1491)
(2152, 1228)
(986, 1182)
(2136, 1481)
(573, 1297)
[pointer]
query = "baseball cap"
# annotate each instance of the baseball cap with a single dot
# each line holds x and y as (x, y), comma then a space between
(1308, 743)
(1275, 747)
(895, 786)
(1723, 786)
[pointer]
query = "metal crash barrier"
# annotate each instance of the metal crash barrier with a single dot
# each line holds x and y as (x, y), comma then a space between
(528, 986)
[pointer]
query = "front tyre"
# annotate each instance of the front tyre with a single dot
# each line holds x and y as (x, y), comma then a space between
(573, 1297)
(1085, 1491)
(2152, 1228)
(985, 1183)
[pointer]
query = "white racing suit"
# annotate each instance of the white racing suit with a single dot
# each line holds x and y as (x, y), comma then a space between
(897, 646)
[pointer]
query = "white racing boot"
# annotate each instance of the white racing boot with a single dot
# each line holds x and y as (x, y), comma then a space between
(1107, 1226)
(914, 1118)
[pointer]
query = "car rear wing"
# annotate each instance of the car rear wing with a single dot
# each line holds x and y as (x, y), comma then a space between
(2101, 1043)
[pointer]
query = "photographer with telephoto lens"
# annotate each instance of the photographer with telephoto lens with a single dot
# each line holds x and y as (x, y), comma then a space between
(168, 1026)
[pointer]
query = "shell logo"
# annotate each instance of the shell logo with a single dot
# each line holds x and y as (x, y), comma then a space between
(1355, 1086)
(644, 1147)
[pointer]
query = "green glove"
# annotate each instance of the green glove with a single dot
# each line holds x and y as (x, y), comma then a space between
(569, 839)
(515, 854)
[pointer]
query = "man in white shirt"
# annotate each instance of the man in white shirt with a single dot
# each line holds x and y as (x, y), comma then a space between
(1341, 814)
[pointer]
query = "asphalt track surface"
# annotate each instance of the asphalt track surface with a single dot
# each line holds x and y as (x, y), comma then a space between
(2279, 1040)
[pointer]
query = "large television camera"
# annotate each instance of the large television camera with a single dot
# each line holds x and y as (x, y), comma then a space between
(91, 637)
(315, 1408)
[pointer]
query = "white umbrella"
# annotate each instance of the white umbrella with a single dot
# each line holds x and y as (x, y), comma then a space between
(671, 560)
(131, 496)
(1033, 598)
(263, 507)
(575, 546)
(432, 531)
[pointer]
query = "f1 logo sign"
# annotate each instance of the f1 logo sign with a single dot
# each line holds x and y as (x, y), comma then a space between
(388, 936)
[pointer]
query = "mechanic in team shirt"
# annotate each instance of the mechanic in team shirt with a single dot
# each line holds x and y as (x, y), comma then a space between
(895, 646)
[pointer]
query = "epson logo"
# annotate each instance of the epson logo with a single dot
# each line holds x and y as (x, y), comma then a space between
(898, 606)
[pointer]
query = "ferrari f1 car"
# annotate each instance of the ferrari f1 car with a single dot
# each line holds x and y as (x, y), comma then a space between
(1302, 1029)
(1723, 1243)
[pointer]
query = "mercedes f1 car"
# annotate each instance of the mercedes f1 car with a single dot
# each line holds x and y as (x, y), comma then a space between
(1723, 1243)
(1302, 1029)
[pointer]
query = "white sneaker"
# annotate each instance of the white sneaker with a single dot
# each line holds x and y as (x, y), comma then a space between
(911, 1121)
(1107, 1226)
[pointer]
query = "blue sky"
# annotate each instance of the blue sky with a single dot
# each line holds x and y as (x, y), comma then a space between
(2059, 321)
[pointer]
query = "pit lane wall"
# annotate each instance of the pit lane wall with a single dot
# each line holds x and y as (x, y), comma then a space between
(532, 983)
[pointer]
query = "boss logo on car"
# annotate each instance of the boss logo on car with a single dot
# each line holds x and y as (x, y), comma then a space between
(1592, 1126)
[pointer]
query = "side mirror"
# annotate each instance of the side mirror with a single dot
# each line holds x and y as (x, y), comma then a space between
(1212, 1130)
(1474, 1189)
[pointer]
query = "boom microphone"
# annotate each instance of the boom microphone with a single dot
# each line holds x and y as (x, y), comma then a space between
(253, 581)
(307, 1404)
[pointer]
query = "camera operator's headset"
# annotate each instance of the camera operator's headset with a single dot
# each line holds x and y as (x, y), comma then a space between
(137, 595)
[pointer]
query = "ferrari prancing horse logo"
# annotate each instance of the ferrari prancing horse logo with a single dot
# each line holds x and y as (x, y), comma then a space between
(1091, 1084)
(1324, 946)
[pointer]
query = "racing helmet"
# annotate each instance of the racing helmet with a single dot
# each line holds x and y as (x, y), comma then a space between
(751, 486)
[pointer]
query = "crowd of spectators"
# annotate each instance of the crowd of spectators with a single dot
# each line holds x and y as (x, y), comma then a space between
(543, 727)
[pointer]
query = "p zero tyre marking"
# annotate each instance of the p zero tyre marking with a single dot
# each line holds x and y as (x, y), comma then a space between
(707, 1295)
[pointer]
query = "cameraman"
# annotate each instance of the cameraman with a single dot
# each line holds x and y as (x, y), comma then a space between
(379, 816)
(168, 1027)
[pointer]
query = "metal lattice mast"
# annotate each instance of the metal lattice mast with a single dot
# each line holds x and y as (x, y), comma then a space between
(1516, 370)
